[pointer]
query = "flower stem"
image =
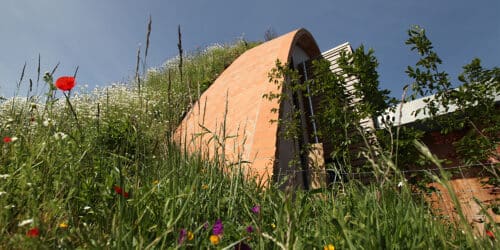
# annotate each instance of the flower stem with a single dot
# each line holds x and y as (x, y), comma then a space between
(73, 112)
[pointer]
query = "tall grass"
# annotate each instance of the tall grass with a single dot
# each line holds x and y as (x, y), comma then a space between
(120, 183)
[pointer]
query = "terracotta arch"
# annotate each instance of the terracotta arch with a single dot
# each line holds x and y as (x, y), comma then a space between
(233, 107)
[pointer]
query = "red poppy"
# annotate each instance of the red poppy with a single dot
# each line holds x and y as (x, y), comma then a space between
(490, 234)
(7, 139)
(119, 190)
(33, 232)
(65, 83)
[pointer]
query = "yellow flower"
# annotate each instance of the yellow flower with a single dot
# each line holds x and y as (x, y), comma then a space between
(190, 235)
(63, 225)
(204, 186)
(273, 225)
(329, 247)
(155, 182)
(214, 239)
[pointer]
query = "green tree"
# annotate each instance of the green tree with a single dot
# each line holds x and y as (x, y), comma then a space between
(473, 105)
(340, 109)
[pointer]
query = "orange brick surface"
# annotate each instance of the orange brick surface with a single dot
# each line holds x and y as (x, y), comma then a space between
(249, 134)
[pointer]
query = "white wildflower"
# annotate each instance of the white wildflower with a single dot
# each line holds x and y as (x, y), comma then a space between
(25, 222)
(2, 193)
(14, 138)
(4, 176)
(86, 208)
(400, 184)
(9, 206)
(60, 136)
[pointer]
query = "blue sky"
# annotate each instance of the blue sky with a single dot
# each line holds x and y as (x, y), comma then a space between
(102, 36)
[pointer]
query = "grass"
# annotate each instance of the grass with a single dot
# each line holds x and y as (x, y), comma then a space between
(112, 179)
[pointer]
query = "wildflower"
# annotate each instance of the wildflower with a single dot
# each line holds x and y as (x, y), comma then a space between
(25, 222)
(33, 122)
(204, 186)
(242, 246)
(273, 226)
(190, 235)
(214, 239)
(4, 176)
(490, 234)
(47, 122)
(33, 232)
(182, 236)
(2, 193)
(86, 208)
(256, 209)
(60, 136)
(7, 139)
(400, 184)
(218, 228)
(329, 247)
(119, 190)
(155, 182)
(65, 83)
(63, 225)
(249, 229)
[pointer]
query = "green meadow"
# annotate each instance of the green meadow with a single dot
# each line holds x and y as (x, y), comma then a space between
(98, 169)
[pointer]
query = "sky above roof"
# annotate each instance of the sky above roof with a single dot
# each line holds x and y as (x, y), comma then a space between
(102, 37)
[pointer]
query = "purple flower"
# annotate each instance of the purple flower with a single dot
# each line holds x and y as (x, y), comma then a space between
(249, 229)
(218, 228)
(256, 209)
(182, 236)
(242, 246)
